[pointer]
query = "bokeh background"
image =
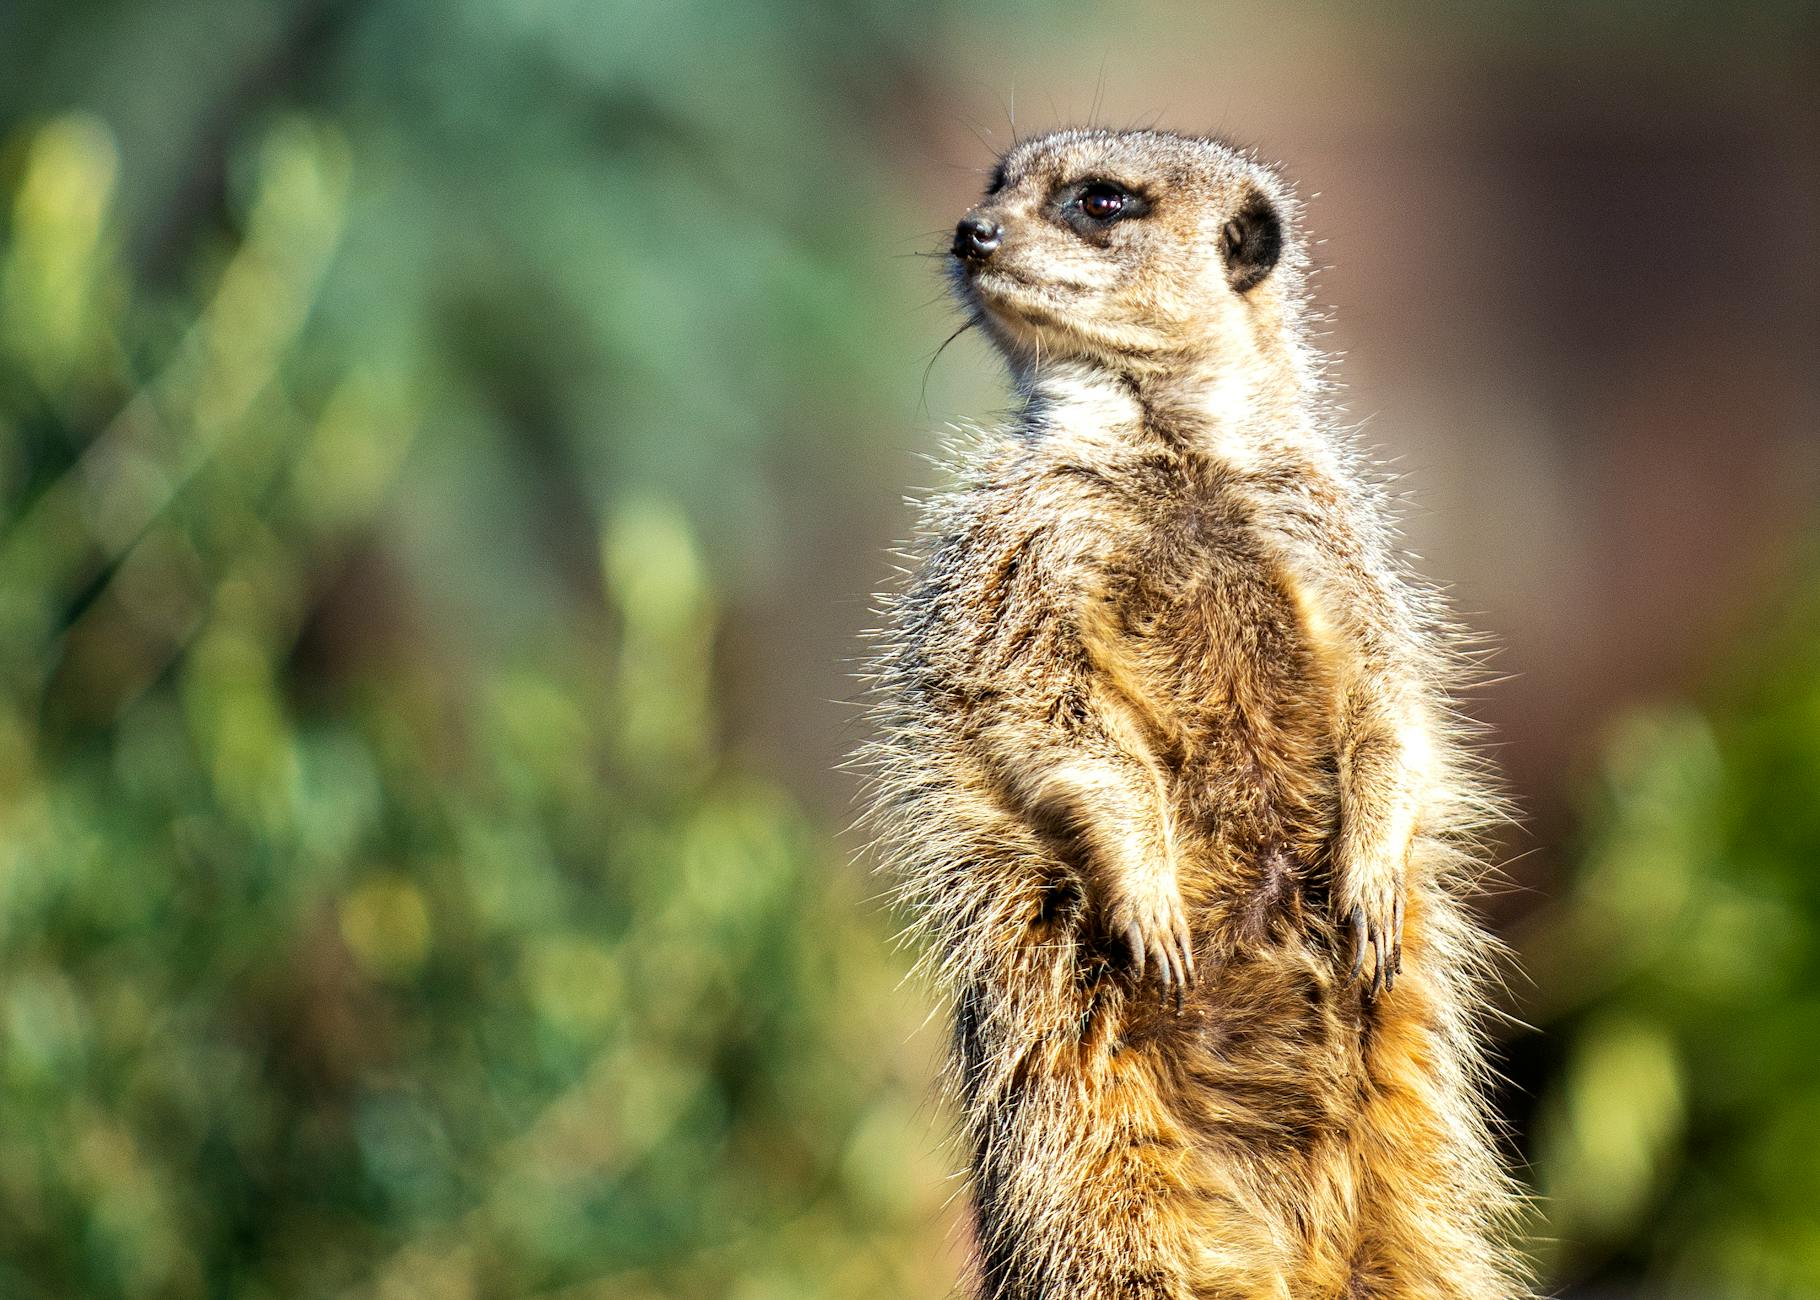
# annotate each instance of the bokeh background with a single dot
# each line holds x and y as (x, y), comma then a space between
(445, 450)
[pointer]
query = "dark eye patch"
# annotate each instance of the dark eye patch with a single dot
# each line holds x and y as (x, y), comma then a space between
(997, 182)
(1091, 205)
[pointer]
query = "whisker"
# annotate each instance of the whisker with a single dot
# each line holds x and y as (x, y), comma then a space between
(923, 397)
(980, 133)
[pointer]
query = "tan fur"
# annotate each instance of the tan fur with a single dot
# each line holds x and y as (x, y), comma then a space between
(1167, 743)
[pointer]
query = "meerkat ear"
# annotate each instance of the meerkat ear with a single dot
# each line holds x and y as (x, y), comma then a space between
(1252, 241)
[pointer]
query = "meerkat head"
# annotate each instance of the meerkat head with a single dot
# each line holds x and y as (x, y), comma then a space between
(1135, 249)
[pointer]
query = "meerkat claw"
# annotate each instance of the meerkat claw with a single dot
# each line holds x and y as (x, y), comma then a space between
(1360, 940)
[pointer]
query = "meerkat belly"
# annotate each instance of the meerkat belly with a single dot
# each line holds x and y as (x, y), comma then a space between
(1253, 716)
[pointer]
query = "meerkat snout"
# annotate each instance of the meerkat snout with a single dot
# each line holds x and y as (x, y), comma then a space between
(976, 237)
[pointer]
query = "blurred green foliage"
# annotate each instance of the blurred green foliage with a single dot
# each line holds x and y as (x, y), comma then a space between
(392, 405)
(1678, 1144)
(336, 960)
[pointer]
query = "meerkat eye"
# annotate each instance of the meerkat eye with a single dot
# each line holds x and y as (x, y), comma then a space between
(1103, 200)
(1092, 208)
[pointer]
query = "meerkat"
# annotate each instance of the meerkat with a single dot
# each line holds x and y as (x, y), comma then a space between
(1170, 773)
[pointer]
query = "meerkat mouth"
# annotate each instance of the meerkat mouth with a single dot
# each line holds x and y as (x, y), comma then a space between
(1007, 293)
(1029, 311)
(988, 279)
(1049, 287)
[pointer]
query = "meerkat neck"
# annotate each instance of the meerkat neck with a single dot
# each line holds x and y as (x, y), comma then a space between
(1220, 411)
(1079, 397)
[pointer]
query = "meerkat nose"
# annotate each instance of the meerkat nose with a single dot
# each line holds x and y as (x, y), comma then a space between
(976, 237)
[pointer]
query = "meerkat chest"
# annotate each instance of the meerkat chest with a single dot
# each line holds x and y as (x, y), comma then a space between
(1169, 570)
(1207, 597)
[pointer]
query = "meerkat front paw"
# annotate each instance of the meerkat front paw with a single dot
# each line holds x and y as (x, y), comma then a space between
(1146, 915)
(1369, 906)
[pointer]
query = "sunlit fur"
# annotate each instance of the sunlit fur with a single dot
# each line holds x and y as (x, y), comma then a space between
(1159, 678)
